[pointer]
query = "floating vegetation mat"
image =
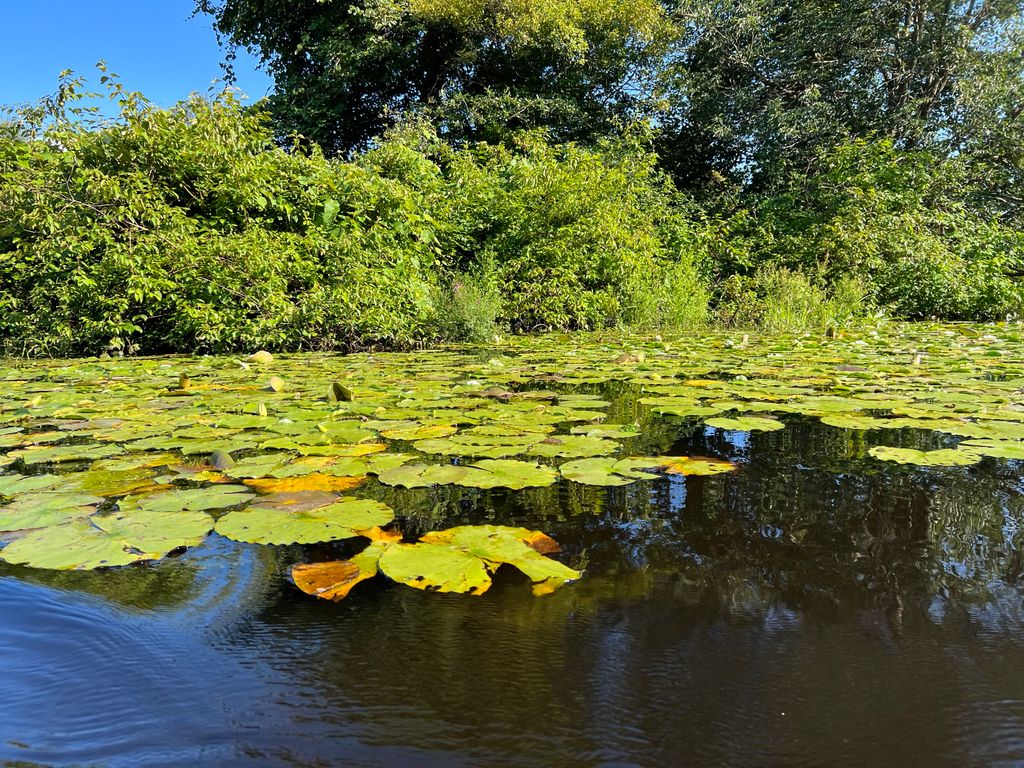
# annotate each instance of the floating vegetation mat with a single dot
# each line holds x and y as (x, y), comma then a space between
(109, 462)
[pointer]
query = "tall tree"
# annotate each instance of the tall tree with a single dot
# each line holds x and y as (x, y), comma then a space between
(345, 70)
(760, 86)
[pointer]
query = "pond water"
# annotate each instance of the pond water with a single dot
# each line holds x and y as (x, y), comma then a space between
(817, 605)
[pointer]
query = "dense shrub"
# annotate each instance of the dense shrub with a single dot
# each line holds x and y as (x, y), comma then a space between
(897, 221)
(467, 308)
(778, 299)
(189, 229)
(576, 238)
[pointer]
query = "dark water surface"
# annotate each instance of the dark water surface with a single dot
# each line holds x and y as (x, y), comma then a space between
(816, 608)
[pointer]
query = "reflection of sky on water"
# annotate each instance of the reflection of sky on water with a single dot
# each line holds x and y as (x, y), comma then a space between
(738, 440)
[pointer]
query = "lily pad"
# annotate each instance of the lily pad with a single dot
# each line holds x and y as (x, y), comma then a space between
(311, 482)
(573, 446)
(422, 432)
(273, 525)
(609, 471)
(746, 424)
(614, 431)
(195, 499)
(944, 457)
(855, 421)
(999, 449)
(46, 509)
(495, 447)
(422, 475)
(695, 465)
(114, 539)
(335, 579)
(12, 485)
(507, 473)
(61, 453)
(462, 559)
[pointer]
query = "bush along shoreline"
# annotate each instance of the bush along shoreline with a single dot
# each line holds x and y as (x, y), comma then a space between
(195, 229)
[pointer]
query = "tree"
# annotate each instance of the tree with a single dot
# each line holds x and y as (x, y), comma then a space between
(760, 87)
(347, 70)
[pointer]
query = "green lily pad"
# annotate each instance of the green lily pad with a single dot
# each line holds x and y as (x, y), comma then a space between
(615, 472)
(999, 449)
(434, 568)
(421, 432)
(61, 453)
(257, 466)
(944, 457)
(108, 483)
(855, 421)
(195, 499)
(12, 485)
(573, 446)
(614, 431)
(746, 424)
(342, 519)
(478, 445)
(422, 475)
(38, 510)
(114, 539)
(374, 464)
(507, 473)
(345, 431)
(462, 559)
(609, 471)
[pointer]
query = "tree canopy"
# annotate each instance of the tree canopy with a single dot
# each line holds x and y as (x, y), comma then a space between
(346, 71)
(747, 91)
(762, 86)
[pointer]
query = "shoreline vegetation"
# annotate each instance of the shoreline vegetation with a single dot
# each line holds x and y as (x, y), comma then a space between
(536, 188)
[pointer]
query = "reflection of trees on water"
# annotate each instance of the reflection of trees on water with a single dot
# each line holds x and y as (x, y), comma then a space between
(632, 665)
(813, 581)
(808, 521)
(219, 576)
(165, 585)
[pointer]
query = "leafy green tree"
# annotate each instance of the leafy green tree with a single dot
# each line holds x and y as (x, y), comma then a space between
(759, 87)
(896, 220)
(346, 70)
(190, 229)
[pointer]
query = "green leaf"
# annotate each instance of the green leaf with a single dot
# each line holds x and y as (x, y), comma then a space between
(45, 509)
(339, 393)
(462, 559)
(108, 540)
(999, 449)
(573, 446)
(507, 473)
(945, 457)
(262, 357)
(340, 520)
(435, 568)
(422, 475)
(330, 211)
(197, 499)
(608, 471)
(12, 485)
(746, 424)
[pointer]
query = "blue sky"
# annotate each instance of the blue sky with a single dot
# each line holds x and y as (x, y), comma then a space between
(153, 45)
